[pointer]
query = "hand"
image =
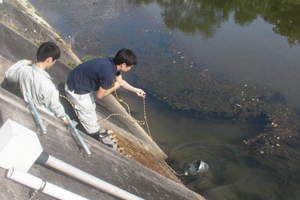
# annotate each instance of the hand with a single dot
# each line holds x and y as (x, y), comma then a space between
(29, 62)
(66, 121)
(140, 93)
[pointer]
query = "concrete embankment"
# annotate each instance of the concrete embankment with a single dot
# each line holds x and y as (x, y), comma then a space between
(141, 171)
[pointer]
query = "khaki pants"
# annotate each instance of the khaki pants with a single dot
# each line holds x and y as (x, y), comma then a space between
(85, 109)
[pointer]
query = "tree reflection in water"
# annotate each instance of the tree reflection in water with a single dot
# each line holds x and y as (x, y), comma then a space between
(206, 16)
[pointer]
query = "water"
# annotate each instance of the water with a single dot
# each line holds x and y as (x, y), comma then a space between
(237, 41)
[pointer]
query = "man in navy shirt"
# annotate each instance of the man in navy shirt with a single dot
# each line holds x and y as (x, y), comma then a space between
(98, 75)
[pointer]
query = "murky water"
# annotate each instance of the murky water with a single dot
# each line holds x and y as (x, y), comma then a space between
(237, 41)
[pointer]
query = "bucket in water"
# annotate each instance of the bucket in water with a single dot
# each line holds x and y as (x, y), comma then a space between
(197, 167)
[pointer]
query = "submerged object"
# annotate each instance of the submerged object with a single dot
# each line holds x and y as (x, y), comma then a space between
(196, 167)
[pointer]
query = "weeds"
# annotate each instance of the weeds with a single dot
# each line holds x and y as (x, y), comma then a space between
(90, 57)
(39, 39)
(38, 13)
(72, 64)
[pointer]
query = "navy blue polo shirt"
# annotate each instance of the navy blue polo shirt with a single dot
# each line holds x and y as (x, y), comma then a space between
(92, 74)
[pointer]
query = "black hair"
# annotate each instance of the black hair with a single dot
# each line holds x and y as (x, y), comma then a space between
(125, 56)
(46, 50)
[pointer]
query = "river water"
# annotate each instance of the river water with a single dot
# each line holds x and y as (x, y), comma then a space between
(238, 42)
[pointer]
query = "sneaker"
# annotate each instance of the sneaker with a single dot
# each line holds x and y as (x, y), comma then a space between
(103, 134)
(107, 139)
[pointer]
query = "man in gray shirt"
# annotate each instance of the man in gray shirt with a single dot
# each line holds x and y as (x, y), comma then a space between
(35, 81)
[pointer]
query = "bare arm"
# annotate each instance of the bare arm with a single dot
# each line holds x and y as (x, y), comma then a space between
(129, 87)
(103, 93)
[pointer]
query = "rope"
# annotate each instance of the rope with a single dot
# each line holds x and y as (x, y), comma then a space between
(145, 122)
(140, 122)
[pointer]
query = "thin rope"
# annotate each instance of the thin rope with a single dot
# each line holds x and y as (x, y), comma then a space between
(140, 122)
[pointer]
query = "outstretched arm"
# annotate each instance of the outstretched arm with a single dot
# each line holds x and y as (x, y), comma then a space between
(129, 87)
